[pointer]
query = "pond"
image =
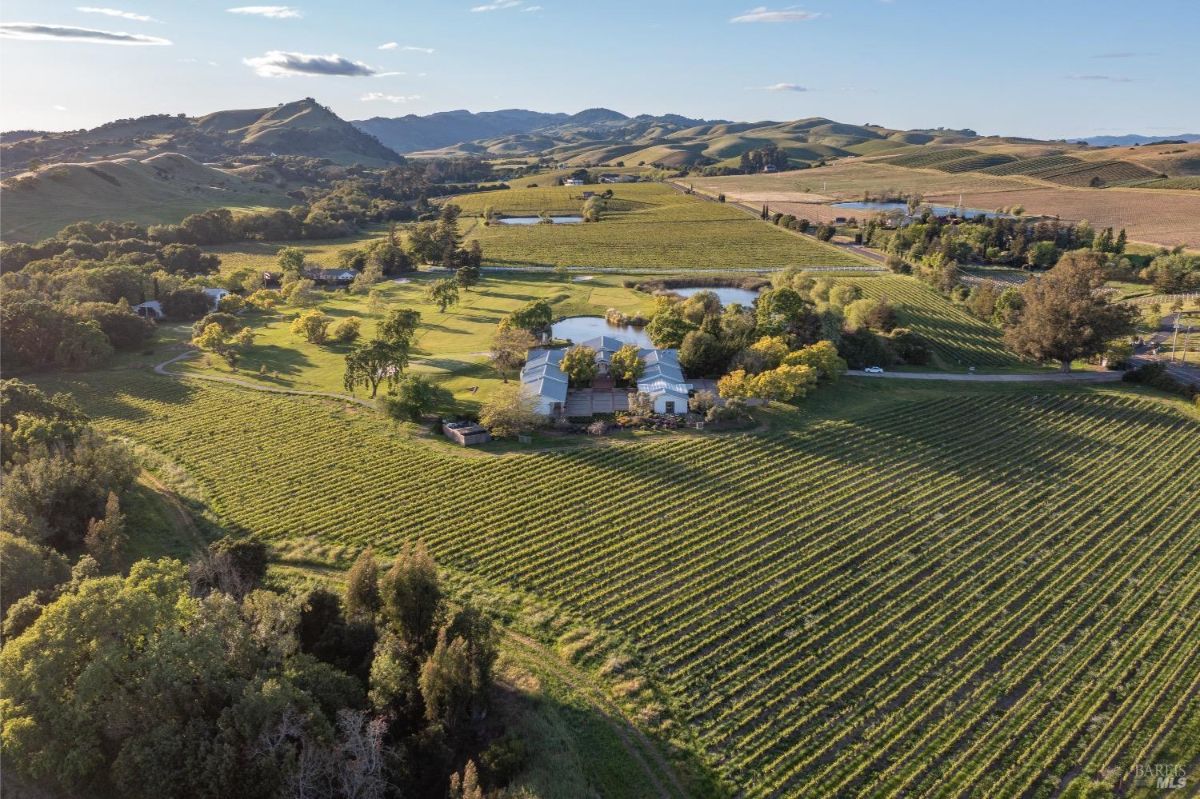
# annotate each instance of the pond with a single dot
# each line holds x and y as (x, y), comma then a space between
(939, 210)
(534, 220)
(727, 296)
(581, 328)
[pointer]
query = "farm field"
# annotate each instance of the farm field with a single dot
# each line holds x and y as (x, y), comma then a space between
(649, 226)
(1160, 216)
(859, 621)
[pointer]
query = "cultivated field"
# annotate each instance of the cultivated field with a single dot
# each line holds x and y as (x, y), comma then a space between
(897, 592)
(649, 226)
(1165, 217)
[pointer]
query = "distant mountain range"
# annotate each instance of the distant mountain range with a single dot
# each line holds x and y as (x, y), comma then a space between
(1130, 139)
(601, 135)
(301, 128)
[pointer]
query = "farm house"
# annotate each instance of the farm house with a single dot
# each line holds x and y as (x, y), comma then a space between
(662, 378)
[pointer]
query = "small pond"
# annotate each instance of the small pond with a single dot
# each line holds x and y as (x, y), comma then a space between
(939, 210)
(727, 296)
(581, 328)
(534, 220)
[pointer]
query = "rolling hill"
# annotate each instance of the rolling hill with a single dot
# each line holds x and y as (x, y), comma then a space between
(300, 128)
(161, 188)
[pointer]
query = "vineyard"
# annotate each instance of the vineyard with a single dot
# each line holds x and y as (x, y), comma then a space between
(920, 593)
(645, 226)
(958, 339)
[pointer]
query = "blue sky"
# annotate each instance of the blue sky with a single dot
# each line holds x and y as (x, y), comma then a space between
(1042, 68)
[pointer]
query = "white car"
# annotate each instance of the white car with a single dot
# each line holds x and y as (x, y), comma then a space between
(874, 370)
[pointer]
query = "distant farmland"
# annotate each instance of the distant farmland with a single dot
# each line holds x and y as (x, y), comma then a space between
(647, 225)
(1155, 216)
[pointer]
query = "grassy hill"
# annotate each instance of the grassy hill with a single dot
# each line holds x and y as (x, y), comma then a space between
(162, 188)
(300, 128)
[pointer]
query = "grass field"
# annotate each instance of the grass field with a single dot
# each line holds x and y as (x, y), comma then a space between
(899, 590)
(649, 226)
(450, 347)
(1161, 216)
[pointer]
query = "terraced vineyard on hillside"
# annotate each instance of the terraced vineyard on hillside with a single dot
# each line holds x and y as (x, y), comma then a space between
(880, 602)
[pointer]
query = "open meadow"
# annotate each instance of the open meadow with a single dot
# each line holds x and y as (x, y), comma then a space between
(1162, 217)
(647, 226)
(832, 605)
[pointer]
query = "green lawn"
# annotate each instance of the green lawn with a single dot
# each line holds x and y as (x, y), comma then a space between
(450, 347)
(647, 226)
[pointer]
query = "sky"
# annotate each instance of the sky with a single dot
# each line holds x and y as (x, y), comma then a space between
(1038, 68)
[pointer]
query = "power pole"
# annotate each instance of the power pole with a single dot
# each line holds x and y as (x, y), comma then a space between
(1175, 339)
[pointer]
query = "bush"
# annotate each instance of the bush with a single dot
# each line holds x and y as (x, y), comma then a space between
(1156, 375)
(186, 304)
(345, 330)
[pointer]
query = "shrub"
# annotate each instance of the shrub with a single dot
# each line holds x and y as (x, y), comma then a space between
(345, 330)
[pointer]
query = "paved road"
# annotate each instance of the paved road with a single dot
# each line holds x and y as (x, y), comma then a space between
(1042, 377)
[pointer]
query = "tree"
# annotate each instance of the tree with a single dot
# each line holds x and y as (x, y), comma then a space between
(467, 275)
(28, 567)
(186, 304)
(1042, 255)
(364, 280)
(105, 539)
(579, 364)
(466, 785)
(668, 327)
(414, 396)
(534, 316)
(313, 326)
(870, 313)
(701, 353)
(592, 207)
(411, 597)
(290, 261)
(362, 586)
(626, 364)
(1064, 318)
(772, 349)
(822, 357)
(784, 383)
(370, 364)
(399, 326)
(301, 292)
(735, 385)
(218, 340)
(442, 293)
(509, 411)
(510, 348)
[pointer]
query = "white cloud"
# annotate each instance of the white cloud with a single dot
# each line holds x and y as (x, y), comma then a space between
(281, 64)
(59, 107)
(35, 31)
(498, 5)
(114, 12)
(532, 8)
(785, 87)
(764, 14)
(1104, 78)
(371, 97)
(408, 48)
(273, 12)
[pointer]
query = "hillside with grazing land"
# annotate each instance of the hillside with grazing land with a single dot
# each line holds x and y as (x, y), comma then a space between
(303, 128)
(162, 188)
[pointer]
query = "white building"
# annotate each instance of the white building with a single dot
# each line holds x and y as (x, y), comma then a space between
(662, 378)
(215, 296)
